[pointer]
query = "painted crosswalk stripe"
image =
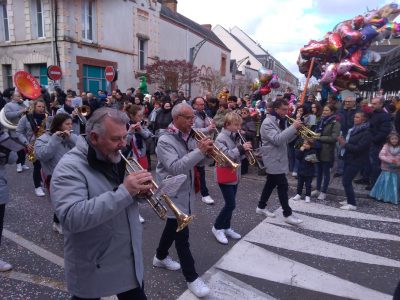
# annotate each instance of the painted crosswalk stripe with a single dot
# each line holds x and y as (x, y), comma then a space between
(35, 279)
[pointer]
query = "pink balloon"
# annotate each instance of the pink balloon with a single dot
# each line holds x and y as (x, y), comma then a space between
(330, 74)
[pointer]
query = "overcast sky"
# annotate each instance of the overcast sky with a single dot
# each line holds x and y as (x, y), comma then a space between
(282, 27)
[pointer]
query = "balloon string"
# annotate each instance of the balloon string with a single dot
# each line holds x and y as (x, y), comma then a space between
(303, 95)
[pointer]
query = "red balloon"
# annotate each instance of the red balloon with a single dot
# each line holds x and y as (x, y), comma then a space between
(265, 89)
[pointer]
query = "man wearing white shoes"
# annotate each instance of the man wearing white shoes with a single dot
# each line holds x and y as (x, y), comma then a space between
(275, 136)
(206, 125)
(178, 153)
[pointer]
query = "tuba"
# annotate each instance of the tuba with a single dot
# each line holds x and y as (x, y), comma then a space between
(5, 122)
(220, 158)
(183, 220)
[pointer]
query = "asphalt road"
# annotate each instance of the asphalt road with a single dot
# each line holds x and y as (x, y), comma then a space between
(36, 251)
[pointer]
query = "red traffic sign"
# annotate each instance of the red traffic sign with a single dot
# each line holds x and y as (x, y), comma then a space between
(110, 73)
(54, 72)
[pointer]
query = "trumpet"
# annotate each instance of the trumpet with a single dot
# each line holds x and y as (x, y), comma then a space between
(249, 153)
(304, 131)
(82, 112)
(220, 158)
(183, 220)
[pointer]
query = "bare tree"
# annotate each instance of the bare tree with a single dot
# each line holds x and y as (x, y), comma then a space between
(213, 82)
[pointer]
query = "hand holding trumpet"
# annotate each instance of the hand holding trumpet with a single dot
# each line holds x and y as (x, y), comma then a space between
(205, 145)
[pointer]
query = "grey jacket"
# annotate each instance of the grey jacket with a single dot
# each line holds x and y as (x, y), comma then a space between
(76, 126)
(102, 232)
(230, 145)
(175, 156)
(13, 112)
(145, 133)
(274, 145)
(24, 130)
(200, 123)
(10, 159)
(49, 149)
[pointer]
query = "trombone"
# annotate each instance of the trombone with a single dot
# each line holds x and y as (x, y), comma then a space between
(132, 165)
(220, 158)
(249, 153)
(304, 131)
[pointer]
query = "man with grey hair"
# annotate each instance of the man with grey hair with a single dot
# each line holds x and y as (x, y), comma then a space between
(98, 211)
(179, 153)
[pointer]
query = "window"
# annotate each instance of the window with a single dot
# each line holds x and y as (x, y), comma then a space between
(88, 20)
(223, 66)
(37, 19)
(5, 36)
(94, 79)
(39, 71)
(7, 76)
(142, 53)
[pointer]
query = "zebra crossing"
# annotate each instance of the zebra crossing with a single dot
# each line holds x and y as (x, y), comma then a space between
(324, 258)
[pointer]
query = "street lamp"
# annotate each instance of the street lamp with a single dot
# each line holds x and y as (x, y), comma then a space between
(192, 56)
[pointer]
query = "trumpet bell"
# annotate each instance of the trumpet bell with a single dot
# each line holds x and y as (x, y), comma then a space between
(84, 110)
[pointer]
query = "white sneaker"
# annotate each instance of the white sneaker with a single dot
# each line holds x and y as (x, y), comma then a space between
(343, 202)
(314, 193)
(296, 198)
(19, 168)
(57, 228)
(232, 234)
(4, 266)
(167, 263)
(322, 196)
(25, 167)
(220, 235)
(141, 219)
(39, 192)
(198, 288)
(265, 212)
(348, 207)
(294, 174)
(307, 200)
(293, 220)
(207, 200)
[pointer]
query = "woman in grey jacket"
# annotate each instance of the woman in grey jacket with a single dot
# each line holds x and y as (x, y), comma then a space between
(51, 147)
(228, 142)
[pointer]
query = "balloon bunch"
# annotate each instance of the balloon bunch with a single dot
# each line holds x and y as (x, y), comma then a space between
(342, 57)
(266, 81)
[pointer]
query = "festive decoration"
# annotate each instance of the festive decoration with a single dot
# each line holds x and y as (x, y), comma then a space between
(143, 84)
(266, 81)
(342, 57)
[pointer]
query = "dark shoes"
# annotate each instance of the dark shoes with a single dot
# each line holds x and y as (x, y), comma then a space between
(369, 187)
(362, 181)
(337, 175)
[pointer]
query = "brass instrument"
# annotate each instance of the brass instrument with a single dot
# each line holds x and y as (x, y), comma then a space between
(41, 129)
(82, 111)
(249, 153)
(183, 220)
(304, 131)
(220, 158)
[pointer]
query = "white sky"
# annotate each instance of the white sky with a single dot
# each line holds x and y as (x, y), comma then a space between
(282, 27)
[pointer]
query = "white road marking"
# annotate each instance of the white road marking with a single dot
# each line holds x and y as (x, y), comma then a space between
(225, 287)
(315, 224)
(55, 259)
(272, 235)
(35, 279)
(320, 209)
(251, 260)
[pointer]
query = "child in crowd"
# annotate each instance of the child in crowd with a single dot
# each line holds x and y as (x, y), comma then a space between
(228, 142)
(386, 188)
(307, 158)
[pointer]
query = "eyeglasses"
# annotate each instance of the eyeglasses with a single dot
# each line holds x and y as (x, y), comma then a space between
(188, 117)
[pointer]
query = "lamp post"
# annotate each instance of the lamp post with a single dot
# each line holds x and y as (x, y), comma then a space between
(192, 56)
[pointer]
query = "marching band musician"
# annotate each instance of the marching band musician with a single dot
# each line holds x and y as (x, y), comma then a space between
(51, 146)
(67, 108)
(206, 125)
(228, 141)
(13, 111)
(275, 136)
(178, 153)
(30, 127)
(99, 212)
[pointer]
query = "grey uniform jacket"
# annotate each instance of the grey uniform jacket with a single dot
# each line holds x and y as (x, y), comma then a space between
(200, 123)
(145, 133)
(102, 232)
(11, 158)
(175, 156)
(232, 148)
(49, 149)
(274, 145)
(12, 111)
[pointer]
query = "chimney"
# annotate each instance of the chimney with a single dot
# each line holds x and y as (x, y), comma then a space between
(207, 26)
(171, 4)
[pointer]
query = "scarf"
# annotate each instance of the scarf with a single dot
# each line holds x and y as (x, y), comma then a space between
(323, 122)
(38, 118)
(68, 109)
(281, 120)
(393, 150)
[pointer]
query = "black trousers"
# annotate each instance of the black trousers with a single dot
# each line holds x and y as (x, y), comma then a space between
(135, 294)
(21, 157)
(279, 181)
(2, 211)
(37, 177)
(203, 186)
(304, 180)
(182, 246)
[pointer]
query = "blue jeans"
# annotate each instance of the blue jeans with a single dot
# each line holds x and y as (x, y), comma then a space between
(324, 173)
(223, 220)
(203, 186)
(349, 173)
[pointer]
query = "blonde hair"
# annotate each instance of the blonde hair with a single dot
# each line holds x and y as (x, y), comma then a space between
(232, 118)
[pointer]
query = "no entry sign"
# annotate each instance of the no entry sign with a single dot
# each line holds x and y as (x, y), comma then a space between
(54, 72)
(110, 73)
